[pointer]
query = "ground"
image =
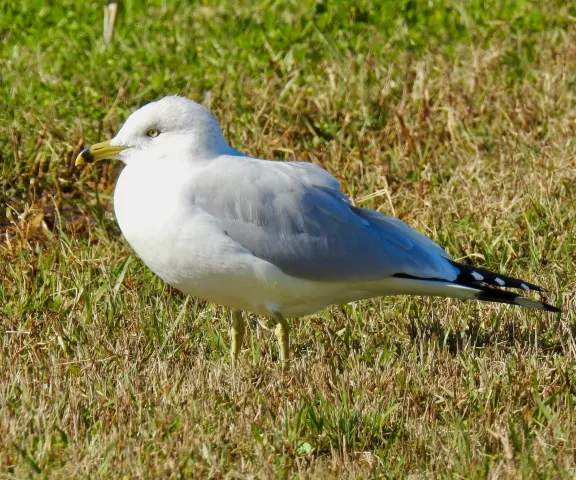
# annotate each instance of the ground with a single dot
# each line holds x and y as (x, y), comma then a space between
(458, 117)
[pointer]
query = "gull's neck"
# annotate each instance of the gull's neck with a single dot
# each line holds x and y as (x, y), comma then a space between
(207, 141)
(210, 146)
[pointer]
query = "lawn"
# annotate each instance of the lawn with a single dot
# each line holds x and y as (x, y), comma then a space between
(458, 117)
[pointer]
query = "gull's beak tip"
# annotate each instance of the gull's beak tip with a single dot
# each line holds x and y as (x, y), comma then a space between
(80, 159)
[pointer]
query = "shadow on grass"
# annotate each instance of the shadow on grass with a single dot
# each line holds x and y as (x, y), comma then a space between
(507, 336)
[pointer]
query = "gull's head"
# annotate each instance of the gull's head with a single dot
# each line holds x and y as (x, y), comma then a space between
(173, 127)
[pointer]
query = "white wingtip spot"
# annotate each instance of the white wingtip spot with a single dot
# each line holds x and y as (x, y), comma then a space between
(524, 286)
(477, 276)
(500, 282)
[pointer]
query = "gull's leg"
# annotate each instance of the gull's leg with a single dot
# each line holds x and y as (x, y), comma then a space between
(282, 332)
(237, 334)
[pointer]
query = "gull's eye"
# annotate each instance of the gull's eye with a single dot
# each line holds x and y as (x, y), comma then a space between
(153, 132)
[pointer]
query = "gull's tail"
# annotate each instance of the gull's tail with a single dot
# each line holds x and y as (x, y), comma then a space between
(477, 284)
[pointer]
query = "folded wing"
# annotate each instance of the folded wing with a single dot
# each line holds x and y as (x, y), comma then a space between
(293, 215)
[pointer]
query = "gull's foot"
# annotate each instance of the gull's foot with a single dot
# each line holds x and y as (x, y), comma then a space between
(236, 334)
(282, 332)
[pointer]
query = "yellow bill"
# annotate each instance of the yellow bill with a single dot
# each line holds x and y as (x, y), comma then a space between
(97, 152)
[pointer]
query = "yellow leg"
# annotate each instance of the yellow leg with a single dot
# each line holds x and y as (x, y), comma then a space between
(282, 332)
(236, 334)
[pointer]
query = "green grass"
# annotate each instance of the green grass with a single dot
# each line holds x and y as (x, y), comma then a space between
(458, 117)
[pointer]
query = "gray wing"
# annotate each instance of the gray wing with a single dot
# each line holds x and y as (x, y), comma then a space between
(293, 215)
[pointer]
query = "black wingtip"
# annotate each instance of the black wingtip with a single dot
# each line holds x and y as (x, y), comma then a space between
(473, 276)
(551, 308)
(490, 294)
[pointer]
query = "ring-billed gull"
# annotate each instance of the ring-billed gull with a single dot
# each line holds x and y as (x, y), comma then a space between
(274, 238)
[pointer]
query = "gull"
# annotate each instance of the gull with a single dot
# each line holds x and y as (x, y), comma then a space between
(274, 238)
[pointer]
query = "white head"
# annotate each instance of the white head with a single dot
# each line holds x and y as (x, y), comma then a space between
(169, 128)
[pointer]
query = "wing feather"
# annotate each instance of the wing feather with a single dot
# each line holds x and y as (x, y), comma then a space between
(293, 215)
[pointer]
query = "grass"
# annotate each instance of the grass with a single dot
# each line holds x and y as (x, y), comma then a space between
(459, 118)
